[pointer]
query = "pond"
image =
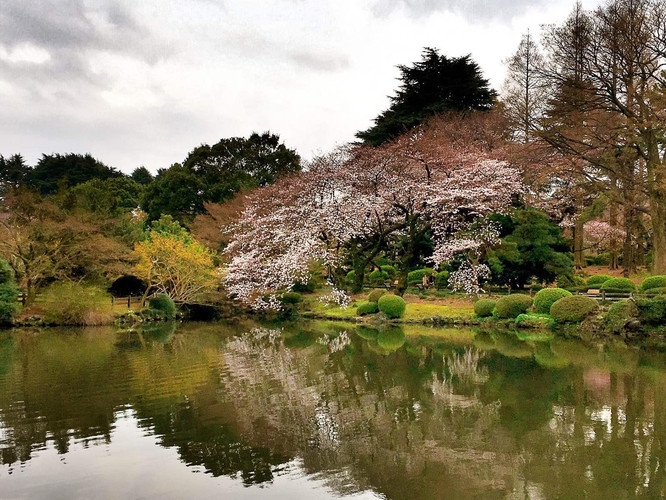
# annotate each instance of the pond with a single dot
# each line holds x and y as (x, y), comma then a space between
(326, 410)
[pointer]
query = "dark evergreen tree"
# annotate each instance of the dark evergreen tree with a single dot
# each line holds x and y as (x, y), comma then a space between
(434, 85)
(55, 171)
(13, 172)
(532, 248)
(142, 176)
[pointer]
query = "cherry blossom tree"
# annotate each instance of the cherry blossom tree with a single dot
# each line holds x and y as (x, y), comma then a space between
(355, 202)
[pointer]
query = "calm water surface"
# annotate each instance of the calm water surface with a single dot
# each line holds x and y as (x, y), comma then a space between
(320, 410)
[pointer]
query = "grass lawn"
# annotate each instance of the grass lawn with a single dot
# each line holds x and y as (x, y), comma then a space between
(419, 311)
(313, 305)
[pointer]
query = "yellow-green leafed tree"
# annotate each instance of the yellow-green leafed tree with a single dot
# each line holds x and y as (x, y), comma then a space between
(171, 261)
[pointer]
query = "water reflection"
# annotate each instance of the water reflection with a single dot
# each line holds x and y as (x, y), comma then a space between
(328, 409)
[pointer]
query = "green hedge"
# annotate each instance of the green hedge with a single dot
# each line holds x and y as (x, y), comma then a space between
(442, 280)
(392, 305)
(656, 291)
(367, 308)
(597, 280)
(574, 282)
(351, 276)
(375, 295)
(547, 297)
(416, 276)
(510, 306)
(484, 307)
(573, 309)
(164, 305)
(618, 285)
(653, 282)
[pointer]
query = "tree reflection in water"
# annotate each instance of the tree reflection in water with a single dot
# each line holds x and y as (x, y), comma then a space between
(398, 412)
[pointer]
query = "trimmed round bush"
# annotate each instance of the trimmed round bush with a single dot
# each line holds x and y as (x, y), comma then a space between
(484, 307)
(618, 285)
(510, 306)
(573, 309)
(351, 276)
(375, 295)
(597, 280)
(416, 276)
(308, 287)
(390, 270)
(164, 305)
(442, 280)
(653, 282)
(378, 276)
(392, 305)
(291, 298)
(652, 311)
(367, 308)
(547, 297)
(656, 291)
(574, 282)
(619, 314)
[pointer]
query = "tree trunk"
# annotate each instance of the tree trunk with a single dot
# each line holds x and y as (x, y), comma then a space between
(579, 254)
(658, 217)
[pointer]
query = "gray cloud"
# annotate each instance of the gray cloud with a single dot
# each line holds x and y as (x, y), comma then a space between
(319, 61)
(483, 10)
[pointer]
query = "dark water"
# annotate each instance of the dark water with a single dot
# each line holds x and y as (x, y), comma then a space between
(304, 411)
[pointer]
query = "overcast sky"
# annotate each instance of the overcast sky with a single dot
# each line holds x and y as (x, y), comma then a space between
(142, 82)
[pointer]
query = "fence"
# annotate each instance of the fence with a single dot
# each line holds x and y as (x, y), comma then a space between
(127, 301)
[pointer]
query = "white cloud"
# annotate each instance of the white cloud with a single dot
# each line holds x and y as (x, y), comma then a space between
(145, 82)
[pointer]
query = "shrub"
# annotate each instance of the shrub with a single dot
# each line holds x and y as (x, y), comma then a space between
(70, 304)
(392, 305)
(367, 308)
(351, 276)
(512, 305)
(574, 282)
(291, 298)
(619, 313)
(597, 280)
(390, 270)
(534, 320)
(618, 285)
(416, 276)
(652, 311)
(653, 282)
(547, 297)
(8, 302)
(378, 276)
(484, 307)
(656, 291)
(573, 309)
(6, 272)
(442, 280)
(375, 294)
(307, 287)
(163, 304)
